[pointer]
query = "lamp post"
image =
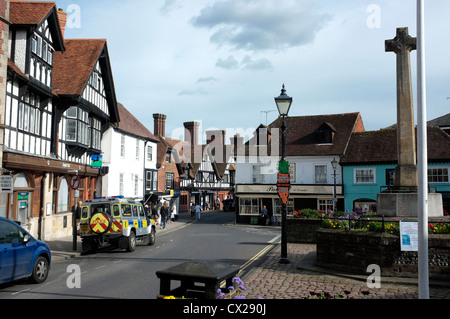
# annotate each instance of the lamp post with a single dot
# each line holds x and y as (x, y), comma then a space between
(284, 103)
(334, 163)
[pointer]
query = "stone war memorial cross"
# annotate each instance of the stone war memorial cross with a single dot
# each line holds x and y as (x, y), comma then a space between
(406, 172)
(402, 200)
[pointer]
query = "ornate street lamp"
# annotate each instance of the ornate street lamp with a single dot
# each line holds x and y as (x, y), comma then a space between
(284, 103)
(334, 164)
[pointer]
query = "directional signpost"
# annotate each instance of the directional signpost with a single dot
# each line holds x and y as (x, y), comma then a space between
(284, 188)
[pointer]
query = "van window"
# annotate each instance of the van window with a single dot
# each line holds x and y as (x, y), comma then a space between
(141, 211)
(85, 212)
(100, 208)
(135, 212)
(116, 211)
(126, 210)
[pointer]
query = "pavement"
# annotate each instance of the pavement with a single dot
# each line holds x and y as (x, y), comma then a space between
(268, 279)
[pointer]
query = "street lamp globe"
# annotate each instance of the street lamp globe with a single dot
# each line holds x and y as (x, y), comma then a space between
(284, 103)
(334, 163)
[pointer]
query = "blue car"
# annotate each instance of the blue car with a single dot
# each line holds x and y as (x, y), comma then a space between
(22, 256)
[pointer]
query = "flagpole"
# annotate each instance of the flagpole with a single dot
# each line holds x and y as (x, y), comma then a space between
(422, 144)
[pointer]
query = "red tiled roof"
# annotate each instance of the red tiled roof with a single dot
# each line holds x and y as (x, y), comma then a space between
(381, 147)
(73, 68)
(29, 12)
(301, 137)
(128, 123)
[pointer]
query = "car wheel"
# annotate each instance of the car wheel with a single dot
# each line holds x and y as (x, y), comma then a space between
(40, 270)
(131, 242)
(152, 237)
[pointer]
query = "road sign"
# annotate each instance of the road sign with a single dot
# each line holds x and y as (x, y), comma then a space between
(75, 182)
(284, 187)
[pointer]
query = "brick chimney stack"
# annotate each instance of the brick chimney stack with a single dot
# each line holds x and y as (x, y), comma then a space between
(191, 130)
(217, 136)
(62, 17)
(160, 124)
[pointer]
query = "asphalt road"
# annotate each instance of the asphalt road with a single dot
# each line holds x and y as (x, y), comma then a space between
(114, 274)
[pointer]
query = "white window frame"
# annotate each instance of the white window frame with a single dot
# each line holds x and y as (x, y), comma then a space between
(122, 146)
(437, 169)
(277, 207)
(121, 185)
(316, 181)
(149, 153)
(325, 204)
(138, 149)
(249, 207)
(374, 174)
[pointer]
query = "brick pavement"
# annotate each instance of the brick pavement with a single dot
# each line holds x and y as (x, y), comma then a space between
(271, 280)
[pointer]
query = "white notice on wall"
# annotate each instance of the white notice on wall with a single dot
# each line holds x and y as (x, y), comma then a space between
(409, 236)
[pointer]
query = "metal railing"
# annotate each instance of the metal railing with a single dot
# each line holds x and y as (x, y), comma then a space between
(376, 223)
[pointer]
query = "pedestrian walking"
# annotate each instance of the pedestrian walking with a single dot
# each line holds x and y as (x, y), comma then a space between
(173, 212)
(264, 216)
(218, 203)
(198, 211)
(164, 212)
(192, 211)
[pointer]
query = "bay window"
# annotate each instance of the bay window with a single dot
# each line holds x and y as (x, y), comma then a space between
(81, 129)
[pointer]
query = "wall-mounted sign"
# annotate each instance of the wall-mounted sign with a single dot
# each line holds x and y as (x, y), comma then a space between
(96, 161)
(23, 196)
(6, 183)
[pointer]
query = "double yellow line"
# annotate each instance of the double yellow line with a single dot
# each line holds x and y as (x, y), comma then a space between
(272, 244)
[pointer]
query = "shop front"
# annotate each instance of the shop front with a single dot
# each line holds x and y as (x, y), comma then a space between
(252, 198)
(42, 199)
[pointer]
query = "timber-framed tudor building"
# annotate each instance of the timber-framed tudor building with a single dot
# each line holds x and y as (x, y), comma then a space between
(60, 99)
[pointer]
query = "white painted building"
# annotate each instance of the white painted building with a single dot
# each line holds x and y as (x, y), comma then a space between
(130, 153)
(313, 142)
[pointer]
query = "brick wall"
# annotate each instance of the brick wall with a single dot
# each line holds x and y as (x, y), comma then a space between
(4, 35)
(302, 231)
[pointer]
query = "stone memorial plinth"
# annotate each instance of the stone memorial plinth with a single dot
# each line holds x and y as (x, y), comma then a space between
(402, 199)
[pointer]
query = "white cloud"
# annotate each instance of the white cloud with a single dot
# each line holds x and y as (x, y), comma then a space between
(262, 24)
(260, 64)
(229, 63)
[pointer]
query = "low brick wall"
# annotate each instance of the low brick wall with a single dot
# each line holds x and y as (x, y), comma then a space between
(302, 231)
(354, 251)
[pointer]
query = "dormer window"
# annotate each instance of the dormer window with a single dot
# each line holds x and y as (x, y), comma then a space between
(325, 134)
(42, 49)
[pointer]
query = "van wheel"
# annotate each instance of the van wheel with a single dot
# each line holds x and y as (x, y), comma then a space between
(131, 242)
(152, 237)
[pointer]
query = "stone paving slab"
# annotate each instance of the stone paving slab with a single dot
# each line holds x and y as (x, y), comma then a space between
(271, 280)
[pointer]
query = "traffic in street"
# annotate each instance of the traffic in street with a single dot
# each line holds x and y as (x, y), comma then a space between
(116, 273)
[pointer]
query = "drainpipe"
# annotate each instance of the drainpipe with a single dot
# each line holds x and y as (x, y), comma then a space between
(42, 208)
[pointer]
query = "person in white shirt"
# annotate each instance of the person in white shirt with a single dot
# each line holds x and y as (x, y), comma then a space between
(173, 212)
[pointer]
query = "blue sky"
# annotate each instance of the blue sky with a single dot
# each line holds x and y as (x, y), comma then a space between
(222, 62)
